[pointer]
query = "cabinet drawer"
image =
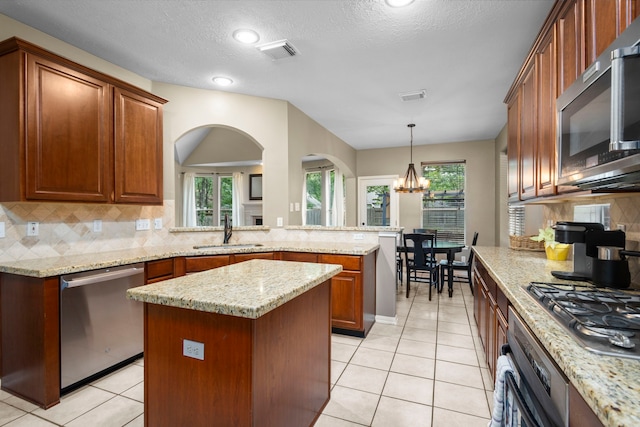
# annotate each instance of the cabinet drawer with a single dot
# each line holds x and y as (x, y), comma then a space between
(202, 263)
(299, 256)
(247, 257)
(348, 262)
(159, 269)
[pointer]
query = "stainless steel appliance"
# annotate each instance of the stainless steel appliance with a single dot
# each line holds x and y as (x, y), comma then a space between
(100, 329)
(598, 136)
(540, 390)
(604, 321)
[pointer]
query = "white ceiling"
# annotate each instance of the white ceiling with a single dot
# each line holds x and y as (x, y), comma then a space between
(356, 56)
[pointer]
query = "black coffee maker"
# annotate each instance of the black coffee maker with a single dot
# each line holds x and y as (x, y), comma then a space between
(598, 255)
(585, 237)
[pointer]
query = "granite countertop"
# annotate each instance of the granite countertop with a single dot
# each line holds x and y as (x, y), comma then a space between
(55, 266)
(248, 289)
(610, 385)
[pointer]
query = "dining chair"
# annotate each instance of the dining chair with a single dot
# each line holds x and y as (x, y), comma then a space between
(420, 259)
(427, 231)
(459, 266)
(399, 261)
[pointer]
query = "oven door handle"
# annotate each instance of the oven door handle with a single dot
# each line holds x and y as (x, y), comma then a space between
(525, 412)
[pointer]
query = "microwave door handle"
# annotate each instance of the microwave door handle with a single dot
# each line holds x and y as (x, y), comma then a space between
(525, 412)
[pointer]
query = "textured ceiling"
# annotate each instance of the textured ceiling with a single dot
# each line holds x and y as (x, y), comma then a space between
(356, 56)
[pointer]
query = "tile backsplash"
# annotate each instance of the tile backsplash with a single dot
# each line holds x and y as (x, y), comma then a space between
(68, 229)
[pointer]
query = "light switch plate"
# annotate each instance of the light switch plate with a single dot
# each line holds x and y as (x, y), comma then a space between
(193, 349)
(2, 232)
(297, 206)
(97, 226)
(143, 224)
(157, 223)
(33, 228)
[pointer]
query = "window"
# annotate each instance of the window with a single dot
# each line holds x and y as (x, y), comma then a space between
(323, 202)
(443, 205)
(225, 197)
(204, 200)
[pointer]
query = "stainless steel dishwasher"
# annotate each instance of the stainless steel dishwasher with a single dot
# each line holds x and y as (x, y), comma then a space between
(100, 329)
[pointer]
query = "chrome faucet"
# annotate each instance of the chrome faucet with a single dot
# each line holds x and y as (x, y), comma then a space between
(227, 229)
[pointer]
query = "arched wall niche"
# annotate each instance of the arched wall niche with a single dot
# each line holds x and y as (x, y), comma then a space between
(219, 149)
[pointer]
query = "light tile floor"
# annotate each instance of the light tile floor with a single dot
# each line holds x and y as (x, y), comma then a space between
(427, 370)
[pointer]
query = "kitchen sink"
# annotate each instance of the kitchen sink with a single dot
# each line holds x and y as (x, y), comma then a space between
(229, 246)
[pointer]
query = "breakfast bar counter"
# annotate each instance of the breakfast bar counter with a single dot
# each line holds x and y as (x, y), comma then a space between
(242, 345)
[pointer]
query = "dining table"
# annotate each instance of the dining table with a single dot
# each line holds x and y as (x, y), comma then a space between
(449, 248)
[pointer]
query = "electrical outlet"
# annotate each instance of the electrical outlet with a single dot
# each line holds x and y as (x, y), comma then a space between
(358, 236)
(279, 221)
(622, 227)
(97, 226)
(193, 349)
(2, 233)
(33, 228)
(157, 223)
(143, 224)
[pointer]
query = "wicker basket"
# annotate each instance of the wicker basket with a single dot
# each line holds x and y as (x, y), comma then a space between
(524, 243)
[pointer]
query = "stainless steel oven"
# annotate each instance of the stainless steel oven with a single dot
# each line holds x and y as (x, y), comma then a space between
(537, 388)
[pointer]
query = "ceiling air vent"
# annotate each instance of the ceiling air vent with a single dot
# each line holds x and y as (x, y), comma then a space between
(411, 96)
(278, 50)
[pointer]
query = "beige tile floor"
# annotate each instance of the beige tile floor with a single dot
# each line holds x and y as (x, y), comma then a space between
(428, 370)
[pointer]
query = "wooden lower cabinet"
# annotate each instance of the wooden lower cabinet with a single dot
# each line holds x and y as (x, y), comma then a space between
(31, 338)
(353, 293)
(353, 301)
(491, 316)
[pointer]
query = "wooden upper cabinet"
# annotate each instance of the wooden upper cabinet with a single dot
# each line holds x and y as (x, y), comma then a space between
(513, 148)
(604, 21)
(137, 148)
(528, 135)
(569, 35)
(73, 134)
(68, 134)
(545, 64)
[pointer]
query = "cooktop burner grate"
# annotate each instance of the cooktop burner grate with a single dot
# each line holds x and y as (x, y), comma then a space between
(603, 320)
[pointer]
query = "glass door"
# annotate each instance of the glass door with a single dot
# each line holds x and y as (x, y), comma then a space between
(378, 202)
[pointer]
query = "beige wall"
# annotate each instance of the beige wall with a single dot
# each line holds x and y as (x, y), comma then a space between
(480, 181)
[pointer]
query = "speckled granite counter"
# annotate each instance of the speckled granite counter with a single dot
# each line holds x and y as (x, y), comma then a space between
(610, 385)
(248, 289)
(55, 266)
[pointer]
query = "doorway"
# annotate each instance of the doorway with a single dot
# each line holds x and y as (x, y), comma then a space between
(377, 201)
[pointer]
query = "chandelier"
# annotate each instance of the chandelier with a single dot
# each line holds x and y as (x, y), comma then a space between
(412, 182)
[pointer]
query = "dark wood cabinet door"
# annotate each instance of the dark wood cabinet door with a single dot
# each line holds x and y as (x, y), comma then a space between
(68, 134)
(501, 331)
(513, 154)
(528, 135)
(137, 148)
(569, 41)
(546, 115)
(346, 300)
(602, 26)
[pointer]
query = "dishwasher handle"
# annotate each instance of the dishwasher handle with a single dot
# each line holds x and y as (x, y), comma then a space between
(99, 277)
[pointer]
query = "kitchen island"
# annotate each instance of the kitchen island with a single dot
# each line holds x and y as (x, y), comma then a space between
(244, 345)
(609, 385)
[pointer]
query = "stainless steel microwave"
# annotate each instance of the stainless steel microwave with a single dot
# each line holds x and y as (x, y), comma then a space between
(598, 128)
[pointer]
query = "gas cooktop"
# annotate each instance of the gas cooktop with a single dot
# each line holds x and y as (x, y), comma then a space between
(603, 320)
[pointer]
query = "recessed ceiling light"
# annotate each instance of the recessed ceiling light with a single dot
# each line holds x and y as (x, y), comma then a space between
(246, 36)
(398, 3)
(222, 81)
